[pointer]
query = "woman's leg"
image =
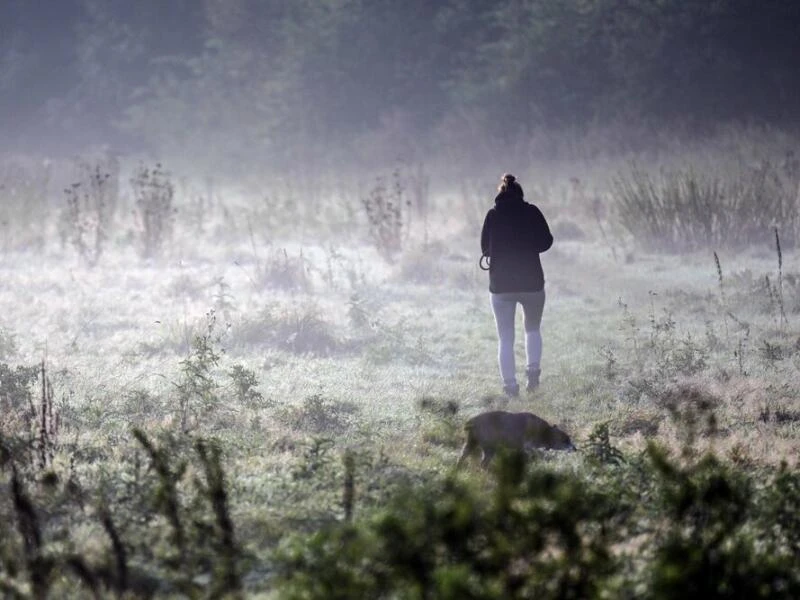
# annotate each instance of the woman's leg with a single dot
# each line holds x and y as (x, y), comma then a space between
(532, 308)
(504, 307)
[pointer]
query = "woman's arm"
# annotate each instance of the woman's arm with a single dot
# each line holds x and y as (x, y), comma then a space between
(541, 231)
(486, 235)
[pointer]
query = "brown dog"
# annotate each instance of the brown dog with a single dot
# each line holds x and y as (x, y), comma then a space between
(497, 429)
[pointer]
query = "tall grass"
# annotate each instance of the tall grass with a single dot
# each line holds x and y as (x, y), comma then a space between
(685, 210)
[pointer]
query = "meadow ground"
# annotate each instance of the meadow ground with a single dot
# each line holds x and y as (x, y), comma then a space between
(293, 352)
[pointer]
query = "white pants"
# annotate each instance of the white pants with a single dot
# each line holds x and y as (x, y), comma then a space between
(504, 308)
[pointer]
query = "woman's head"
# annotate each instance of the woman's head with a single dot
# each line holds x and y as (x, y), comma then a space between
(508, 183)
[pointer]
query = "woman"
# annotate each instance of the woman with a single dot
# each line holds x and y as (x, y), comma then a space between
(514, 233)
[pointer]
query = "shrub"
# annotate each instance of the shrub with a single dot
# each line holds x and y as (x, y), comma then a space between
(167, 526)
(91, 203)
(245, 386)
(439, 423)
(530, 536)
(320, 415)
(299, 329)
(29, 425)
(702, 528)
(708, 550)
(779, 510)
(198, 389)
(384, 207)
(600, 449)
(17, 412)
(683, 210)
(153, 192)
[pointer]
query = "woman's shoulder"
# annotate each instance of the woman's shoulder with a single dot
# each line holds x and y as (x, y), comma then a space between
(532, 207)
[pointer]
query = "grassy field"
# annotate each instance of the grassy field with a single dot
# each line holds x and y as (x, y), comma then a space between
(283, 382)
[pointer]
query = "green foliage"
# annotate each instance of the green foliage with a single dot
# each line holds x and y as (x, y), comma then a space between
(600, 449)
(546, 534)
(779, 504)
(317, 457)
(708, 549)
(390, 342)
(198, 390)
(658, 355)
(245, 386)
(448, 540)
(29, 425)
(15, 390)
(439, 421)
(693, 409)
(320, 415)
(168, 528)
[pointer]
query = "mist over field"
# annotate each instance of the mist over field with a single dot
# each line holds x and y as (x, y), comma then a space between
(243, 322)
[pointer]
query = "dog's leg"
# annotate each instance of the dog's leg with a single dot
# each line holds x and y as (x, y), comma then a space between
(466, 451)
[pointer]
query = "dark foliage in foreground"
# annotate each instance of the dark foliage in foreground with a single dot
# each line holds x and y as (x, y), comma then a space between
(651, 529)
(154, 517)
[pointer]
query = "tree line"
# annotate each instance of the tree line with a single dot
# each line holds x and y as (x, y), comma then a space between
(259, 77)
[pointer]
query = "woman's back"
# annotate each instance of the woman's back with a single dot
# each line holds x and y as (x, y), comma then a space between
(514, 233)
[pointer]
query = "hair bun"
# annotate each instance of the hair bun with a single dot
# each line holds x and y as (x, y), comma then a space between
(508, 178)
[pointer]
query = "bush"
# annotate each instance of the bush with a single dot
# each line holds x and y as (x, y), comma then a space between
(298, 329)
(701, 530)
(154, 193)
(438, 422)
(245, 386)
(385, 209)
(713, 547)
(600, 449)
(683, 210)
(91, 203)
(529, 537)
(198, 389)
(320, 415)
(165, 528)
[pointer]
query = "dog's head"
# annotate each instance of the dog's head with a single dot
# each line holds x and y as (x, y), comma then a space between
(560, 440)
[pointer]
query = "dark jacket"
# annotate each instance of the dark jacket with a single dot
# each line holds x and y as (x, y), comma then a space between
(514, 233)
